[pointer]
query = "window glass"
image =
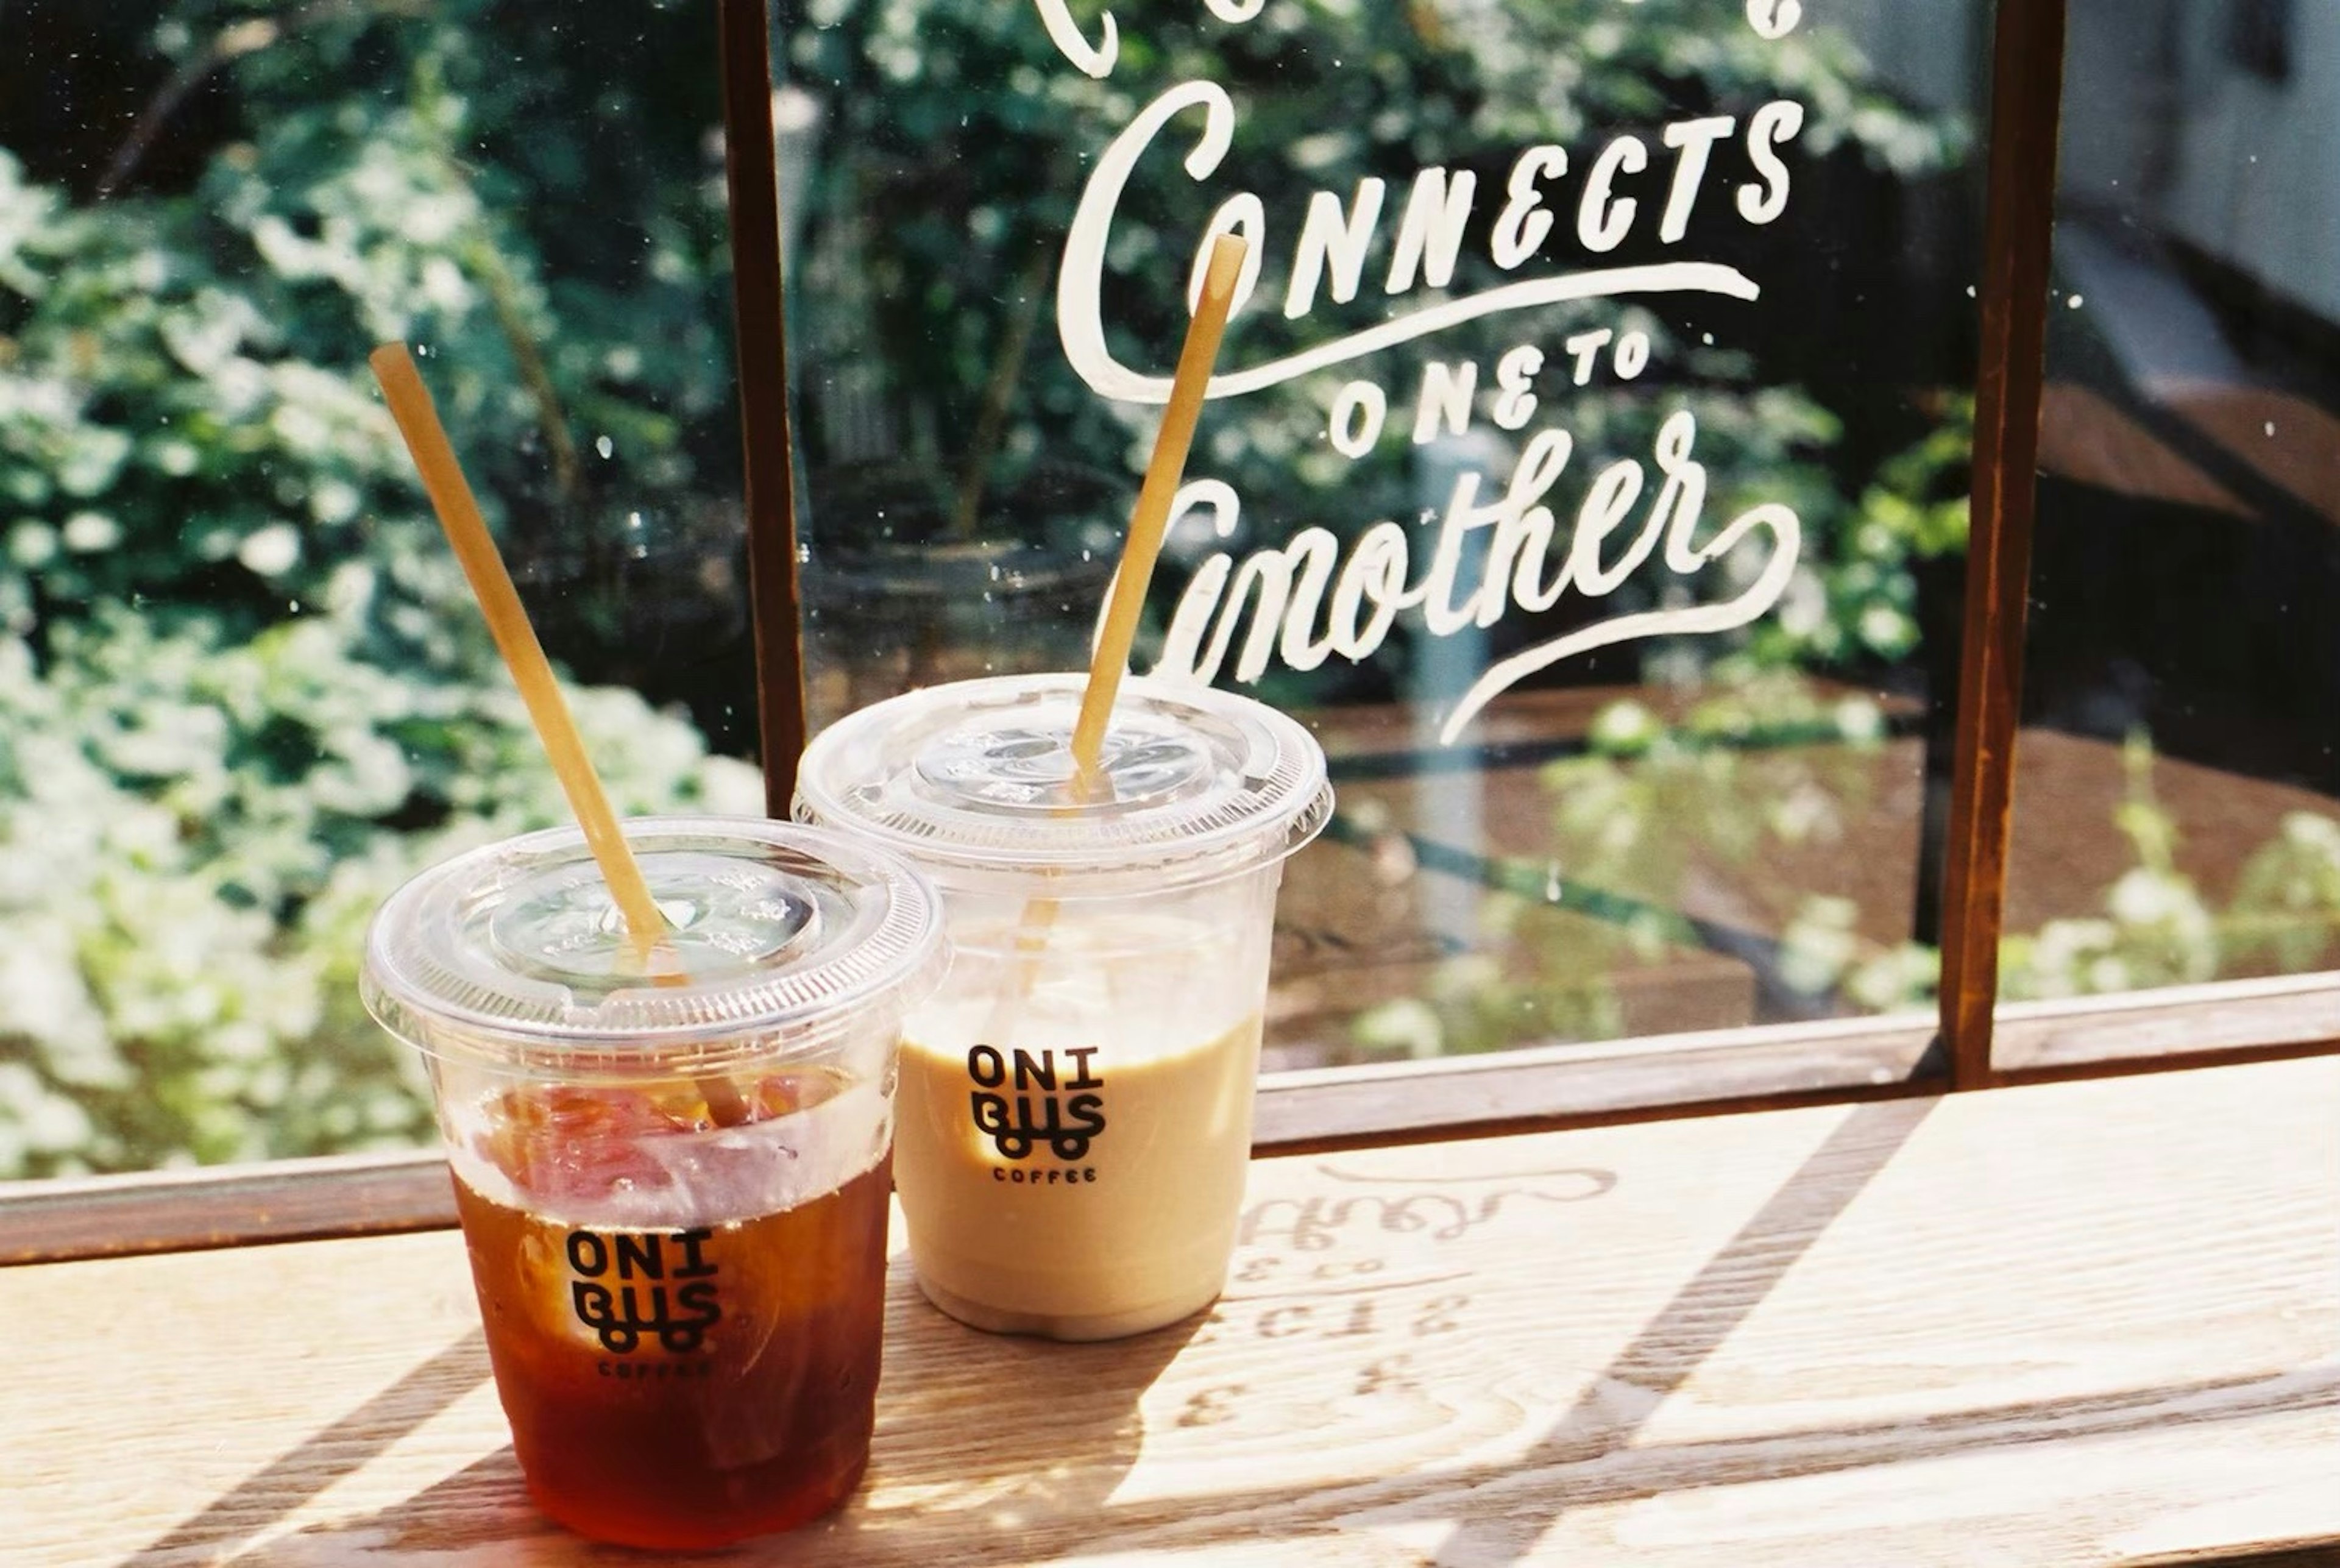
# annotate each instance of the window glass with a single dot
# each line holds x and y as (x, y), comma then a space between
(242, 689)
(2175, 812)
(1588, 464)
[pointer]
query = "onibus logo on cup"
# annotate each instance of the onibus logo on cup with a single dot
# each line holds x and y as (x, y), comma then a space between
(1022, 1099)
(633, 1286)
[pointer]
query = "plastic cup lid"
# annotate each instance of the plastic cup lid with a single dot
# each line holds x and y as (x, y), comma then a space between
(786, 936)
(975, 780)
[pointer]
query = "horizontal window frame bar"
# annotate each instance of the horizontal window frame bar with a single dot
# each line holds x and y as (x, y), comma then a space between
(1541, 1088)
(2219, 1019)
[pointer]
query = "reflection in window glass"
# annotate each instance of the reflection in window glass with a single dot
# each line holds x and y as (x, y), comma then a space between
(242, 689)
(2175, 818)
(1589, 467)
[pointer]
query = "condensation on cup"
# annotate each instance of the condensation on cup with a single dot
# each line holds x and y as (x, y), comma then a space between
(1076, 1099)
(674, 1194)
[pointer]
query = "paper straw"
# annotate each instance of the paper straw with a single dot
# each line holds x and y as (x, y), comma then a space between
(1151, 519)
(475, 549)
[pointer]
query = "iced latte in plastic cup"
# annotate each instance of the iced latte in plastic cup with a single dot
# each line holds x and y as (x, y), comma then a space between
(673, 1192)
(1075, 1102)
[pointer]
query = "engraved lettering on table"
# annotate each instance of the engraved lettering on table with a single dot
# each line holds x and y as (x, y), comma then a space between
(1283, 1322)
(1213, 1322)
(1390, 1374)
(622, 1288)
(1439, 1316)
(1317, 1222)
(1213, 1406)
(1361, 1320)
(1025, 1099)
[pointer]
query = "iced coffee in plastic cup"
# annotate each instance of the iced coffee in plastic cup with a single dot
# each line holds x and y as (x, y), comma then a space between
(673, 1192)
(1075, 1102)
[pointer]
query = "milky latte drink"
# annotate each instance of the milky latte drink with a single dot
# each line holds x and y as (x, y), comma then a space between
(1076, 1101)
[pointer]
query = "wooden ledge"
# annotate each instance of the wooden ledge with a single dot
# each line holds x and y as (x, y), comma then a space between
(2088, 1323)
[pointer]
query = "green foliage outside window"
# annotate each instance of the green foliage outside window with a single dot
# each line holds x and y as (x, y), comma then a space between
(243, 690)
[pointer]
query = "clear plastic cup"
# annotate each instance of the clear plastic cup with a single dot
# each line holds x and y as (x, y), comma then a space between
(1076, 1099)
(674, 1194)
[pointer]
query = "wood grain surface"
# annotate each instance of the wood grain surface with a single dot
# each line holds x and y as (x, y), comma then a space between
(2091, 1323)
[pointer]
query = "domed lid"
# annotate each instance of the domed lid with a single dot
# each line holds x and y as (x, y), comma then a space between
(780, 937)
(978, 777)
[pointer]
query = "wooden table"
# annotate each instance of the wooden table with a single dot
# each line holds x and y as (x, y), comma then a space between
(2088, 1323)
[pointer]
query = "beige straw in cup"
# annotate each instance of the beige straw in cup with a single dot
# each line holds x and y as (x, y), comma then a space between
(1127, 599)
(1151, 519)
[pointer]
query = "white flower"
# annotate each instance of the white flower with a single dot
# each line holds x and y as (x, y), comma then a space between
(90, 531)
(270, 552)
(1624, 725)
(32, 545)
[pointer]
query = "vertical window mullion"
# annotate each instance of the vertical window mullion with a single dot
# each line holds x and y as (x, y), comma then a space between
(775, 605)
(2019, 232)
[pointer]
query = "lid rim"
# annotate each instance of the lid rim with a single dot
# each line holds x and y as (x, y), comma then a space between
(896, 949)
(1270, 797)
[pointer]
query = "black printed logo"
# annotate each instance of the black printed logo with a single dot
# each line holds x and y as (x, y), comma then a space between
(1032, 1100)
(621, 1291)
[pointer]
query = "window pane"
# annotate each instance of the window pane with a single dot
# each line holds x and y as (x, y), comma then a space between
(2175, 819)
(1590, 474)
(242, 689)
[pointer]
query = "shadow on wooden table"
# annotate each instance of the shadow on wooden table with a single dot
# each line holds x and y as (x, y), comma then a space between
(1057, 1504)
(995, 1451)
(955, 1503)
(341, 1450)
